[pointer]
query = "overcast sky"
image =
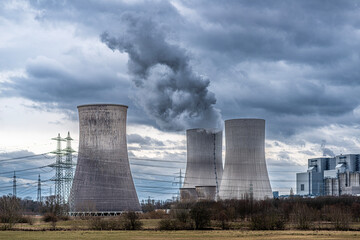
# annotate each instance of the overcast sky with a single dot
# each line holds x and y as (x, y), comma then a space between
(183, 64)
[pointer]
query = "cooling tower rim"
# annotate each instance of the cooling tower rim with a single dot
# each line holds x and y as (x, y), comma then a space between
(244, 119)
(207, 130)
(102, 104)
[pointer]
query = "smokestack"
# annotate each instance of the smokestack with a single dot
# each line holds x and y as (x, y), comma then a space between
(204, 158)
(245, 173)
(103, 180)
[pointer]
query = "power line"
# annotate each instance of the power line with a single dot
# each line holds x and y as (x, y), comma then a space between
(26, 169)
(156, 160)
(23, 157)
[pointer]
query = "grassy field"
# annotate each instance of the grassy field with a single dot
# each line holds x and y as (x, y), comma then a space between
(279, 235)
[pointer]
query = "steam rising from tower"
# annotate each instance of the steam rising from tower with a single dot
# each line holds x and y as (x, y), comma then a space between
(245, 173)
(103, 180)
(167, 88)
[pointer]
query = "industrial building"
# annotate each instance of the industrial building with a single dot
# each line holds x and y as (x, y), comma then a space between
(204, 167)
(103, 182)
(245, 172)
(335, 176)
(311, 182)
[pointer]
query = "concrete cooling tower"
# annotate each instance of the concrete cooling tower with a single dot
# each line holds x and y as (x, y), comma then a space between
(103, 181)
(245, 172)
(204, 161)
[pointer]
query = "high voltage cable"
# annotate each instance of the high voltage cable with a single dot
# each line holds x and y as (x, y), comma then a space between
(23, 170)
(23, 157)
(23, 184)
(146, 165)
(155, 160)
(235, 179)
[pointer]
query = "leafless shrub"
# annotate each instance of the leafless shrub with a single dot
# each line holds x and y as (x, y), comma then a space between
(340, 217)
(9, 211)
(302, 216)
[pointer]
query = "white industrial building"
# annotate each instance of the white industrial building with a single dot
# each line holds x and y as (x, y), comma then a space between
(335, 176)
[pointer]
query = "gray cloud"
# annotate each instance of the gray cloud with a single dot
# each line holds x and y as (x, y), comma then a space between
(290, 63)
(144, 141)
(167, 87)
(293, 63)
(58, 86)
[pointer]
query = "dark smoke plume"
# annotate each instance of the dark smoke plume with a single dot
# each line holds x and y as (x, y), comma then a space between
(166, 86)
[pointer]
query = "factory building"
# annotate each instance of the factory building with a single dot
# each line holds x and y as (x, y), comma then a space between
(245, 173)
(204, 165)
(103, 182)
(344, 179)
(330, 176)
(311, 182)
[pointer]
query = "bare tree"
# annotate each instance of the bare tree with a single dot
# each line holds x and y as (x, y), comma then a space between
(10, 211)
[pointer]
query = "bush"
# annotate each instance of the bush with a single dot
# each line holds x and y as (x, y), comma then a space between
(267, 221)
(182, 215)
(50, 217)
(174, 224)
(302, 216)
(26, 219)
(167, 224)
(131, 221)
(200, 215)
(64, 218)
(98, 223)
(154, 215)
(340, 217)
(9, 211)
(222, 216)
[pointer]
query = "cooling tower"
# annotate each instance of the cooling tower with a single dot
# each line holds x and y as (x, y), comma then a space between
(204, 158)
(103, 180)
(245, 172)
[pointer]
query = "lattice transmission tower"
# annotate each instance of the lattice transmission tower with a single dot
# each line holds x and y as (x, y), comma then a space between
(39, 190)
(68, 167)
(14, 185)
(58, 166)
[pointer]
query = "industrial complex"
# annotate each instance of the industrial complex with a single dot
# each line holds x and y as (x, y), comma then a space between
(330, 176)
(103, 182)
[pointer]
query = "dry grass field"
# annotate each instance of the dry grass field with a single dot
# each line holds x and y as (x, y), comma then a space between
(173, 235)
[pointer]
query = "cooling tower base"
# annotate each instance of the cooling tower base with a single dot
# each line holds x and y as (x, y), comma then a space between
(188, 195)
(206, 192)
(100, 214)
